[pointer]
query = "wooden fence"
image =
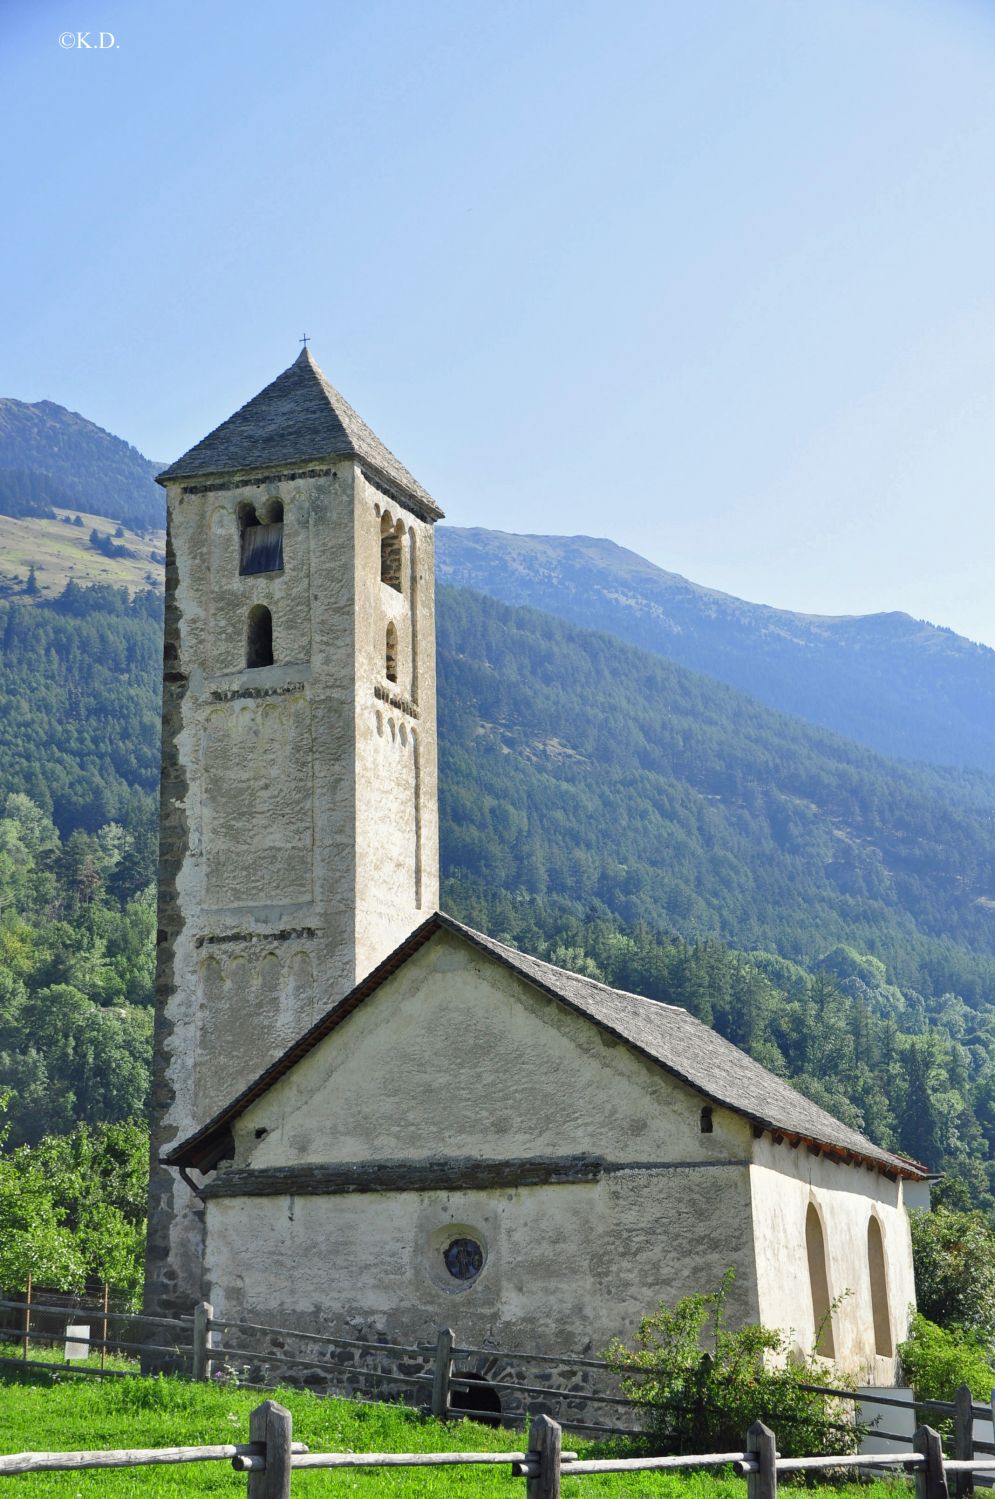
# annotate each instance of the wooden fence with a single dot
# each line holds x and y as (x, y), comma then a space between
(205, 1346)
(271, 1457)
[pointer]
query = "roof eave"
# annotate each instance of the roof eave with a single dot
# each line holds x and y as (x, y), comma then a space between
(420, 504)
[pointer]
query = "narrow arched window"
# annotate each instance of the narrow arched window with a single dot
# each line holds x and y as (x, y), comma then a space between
(818, 1275)
(390, 553)
(883, 1343)
(259, 637)
(260, 541)
(390, 665)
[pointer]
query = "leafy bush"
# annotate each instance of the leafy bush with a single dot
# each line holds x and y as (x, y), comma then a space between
(706, 1401)
(954, 1255)
(72, 1208)
(935, 1360)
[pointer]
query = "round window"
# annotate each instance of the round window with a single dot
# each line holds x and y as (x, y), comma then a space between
(463, 1258)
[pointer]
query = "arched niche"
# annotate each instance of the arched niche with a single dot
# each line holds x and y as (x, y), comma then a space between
(818, 1275)
(390, 653)
(884, 1343)
(391, 552)
(259, 637)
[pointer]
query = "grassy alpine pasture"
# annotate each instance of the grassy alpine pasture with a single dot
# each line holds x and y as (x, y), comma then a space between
(77, 1413)
(61, 552)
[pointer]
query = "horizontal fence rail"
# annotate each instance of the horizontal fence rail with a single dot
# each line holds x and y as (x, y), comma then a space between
(368, 1369)
(271, 1457)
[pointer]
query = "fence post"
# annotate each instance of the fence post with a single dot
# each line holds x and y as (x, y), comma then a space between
(931, 1478)
(27, 1318)
(200, 1351)
(443, 1372)
(964, 1438)
(545, 1442)
(103, 1326)
(271, 1424)
(761, 1442)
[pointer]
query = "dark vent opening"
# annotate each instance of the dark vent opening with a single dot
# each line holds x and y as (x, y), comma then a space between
(481, 1403)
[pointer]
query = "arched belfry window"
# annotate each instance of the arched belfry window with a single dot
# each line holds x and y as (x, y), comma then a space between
(818, 1275)
(260, 538)
(390, 553)
(259, 637)
(883, 1342)
(390, 664)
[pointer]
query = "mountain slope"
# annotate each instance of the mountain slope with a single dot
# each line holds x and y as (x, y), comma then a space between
(57, 456)
(574, 764)
(903, 687)
(75, 546)
(578, 767)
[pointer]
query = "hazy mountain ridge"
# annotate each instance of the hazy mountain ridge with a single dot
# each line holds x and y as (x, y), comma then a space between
(575, 764)
(83, 464)
(904, 687)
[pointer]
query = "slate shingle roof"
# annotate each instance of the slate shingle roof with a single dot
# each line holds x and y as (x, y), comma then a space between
(665, 1034)
(298, 418)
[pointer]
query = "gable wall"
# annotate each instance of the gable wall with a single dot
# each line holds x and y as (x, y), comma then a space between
(457, 1056)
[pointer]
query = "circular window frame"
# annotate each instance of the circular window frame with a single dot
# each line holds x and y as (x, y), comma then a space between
(463, 1258)
(438, 1242)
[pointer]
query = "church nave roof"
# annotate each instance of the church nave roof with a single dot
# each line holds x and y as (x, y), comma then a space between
(668, 1035)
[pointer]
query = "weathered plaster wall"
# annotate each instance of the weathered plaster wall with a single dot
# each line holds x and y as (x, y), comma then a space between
(482, 1066)
(397, 852)
(299, 844)
(784, 1182)
(566, 1269)
(455, 1056)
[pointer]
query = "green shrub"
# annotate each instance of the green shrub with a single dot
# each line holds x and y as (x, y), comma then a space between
(954, 1256)
(935, 1360)
(706, 1401)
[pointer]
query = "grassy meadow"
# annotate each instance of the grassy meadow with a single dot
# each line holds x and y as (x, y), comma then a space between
(75, 1413)
(60, 552)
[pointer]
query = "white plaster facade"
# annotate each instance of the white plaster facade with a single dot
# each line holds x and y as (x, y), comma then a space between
(454, 1056)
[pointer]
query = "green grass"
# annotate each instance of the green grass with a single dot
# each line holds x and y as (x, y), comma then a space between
(60, 552)
(78, 1413)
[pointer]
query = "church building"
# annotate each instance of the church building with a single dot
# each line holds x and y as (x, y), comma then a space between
(369, 1119)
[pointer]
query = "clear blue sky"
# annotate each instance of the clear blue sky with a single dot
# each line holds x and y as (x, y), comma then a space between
(714, 279)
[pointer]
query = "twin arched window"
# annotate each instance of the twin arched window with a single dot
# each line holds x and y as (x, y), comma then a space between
(260, 538)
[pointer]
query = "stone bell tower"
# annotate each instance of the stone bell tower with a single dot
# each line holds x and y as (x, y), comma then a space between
(299, 819)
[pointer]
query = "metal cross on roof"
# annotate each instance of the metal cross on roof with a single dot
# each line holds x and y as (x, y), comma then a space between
(305, 340)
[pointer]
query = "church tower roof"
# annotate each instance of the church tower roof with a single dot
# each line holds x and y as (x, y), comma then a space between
(299, 417)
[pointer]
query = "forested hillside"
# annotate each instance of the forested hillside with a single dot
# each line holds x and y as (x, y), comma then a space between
(51, 456)
(600, 807)
(899, 685)
(79, 704)
(578, 766)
